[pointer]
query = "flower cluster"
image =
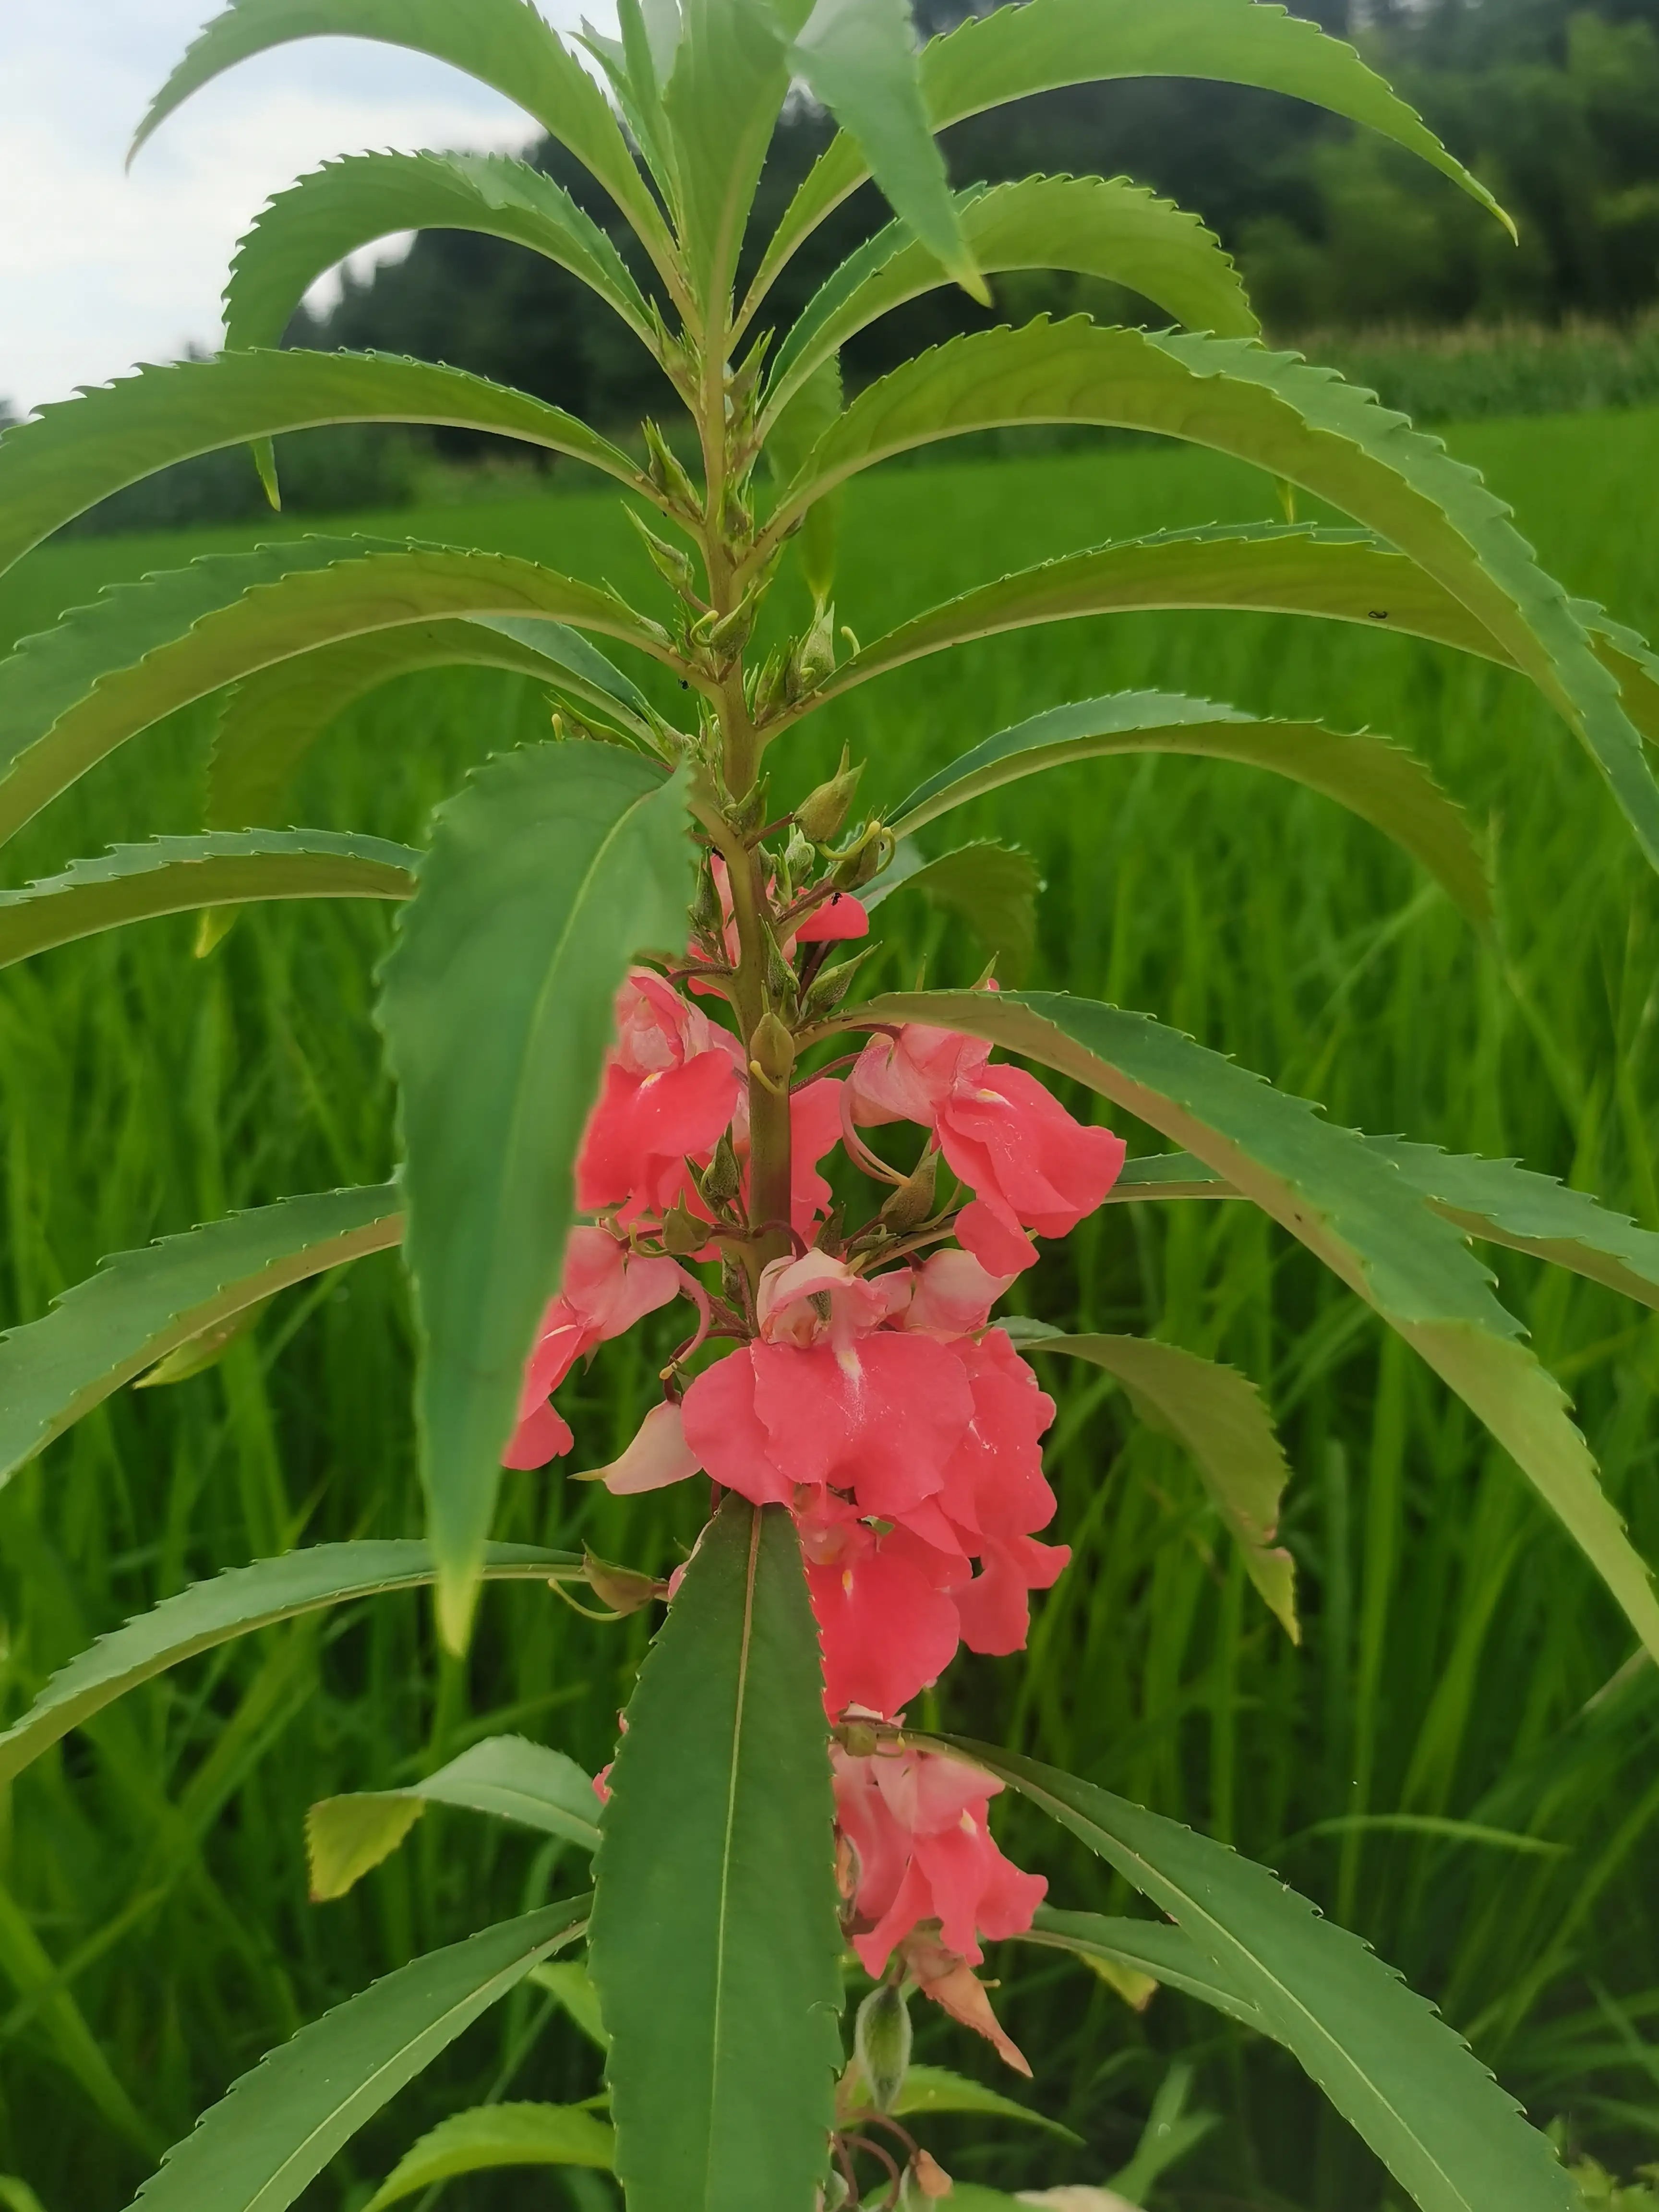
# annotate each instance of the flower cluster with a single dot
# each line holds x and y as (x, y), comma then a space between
(859, 1383)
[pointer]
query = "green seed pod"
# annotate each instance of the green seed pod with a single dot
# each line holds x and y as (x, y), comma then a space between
(868, 858)
(722, 1179)
(822, 812)
(619, 1588)
(913, 1201)
(827, 991)
(881, 2041)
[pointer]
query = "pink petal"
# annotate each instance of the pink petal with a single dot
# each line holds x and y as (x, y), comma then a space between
(542, 1435)
(658, 1456)
(841, 916)
(723, 1429)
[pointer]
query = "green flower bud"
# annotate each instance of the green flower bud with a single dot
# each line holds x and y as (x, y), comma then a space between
(772, 1050)
(669, 562)
(620, 1588)
(881, 2041)
(822, 812)
(722, 1179)
(865, 858)
(913, 1201)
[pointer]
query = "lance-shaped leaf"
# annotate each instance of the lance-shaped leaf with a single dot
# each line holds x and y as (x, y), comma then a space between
(1097, 226)
(717, 1958)
(271, 721)
(70, 695)
(795, 430)
(1150, 1949)
(172, 875)
(546, 875)
(1349, 1206)
(235, 1604)
(993, 887)
(929, 2089)
(507, 1777)
(1376, 780)
(261, 2145)
(1046, 43)
(505, 44)
(859, 60)
(70, 456)
(141, 1305)
(731, 77)
(492, 2136)
(1447, 2132)
(1305, 426)
(1221, 1419)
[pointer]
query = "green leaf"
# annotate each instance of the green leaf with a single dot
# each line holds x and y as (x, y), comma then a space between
(1044, 44)
(930, 2089)
(569, 1982)
(70, 695)
(731, 77)
(505, 1776)
(495, 2135)
(1377, 781)
(67, 457)
(859, 60)
(1443, 2127)
(280, 2125)
(1148, 1947)
(546, 875)
(993, 887)
(717, 1959)
(140, 1305)
(271, 721)
(204, 1351)
(1219, 1416)
(796, 430)
(1099, 226)
(235, 1604)
(1349, 1206)
(172, 875)
(1304, 426)
(505, 44)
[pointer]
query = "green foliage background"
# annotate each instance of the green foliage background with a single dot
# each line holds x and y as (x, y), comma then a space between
(152, 1887)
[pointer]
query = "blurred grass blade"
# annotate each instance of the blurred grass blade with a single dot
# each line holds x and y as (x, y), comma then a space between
(547, 873)
(235, 1604)
(717, 1959)
(174, 875)
(140, 1305)
(69, 456)
(1372, 778)
(1219, 1416)
(496, 2135)
(62, 2027)
(993, 887)
(935, 2089)
(68, 697)
(261, 2145)
(505, 1776)
(1348, 1205)
(1393, 2068)
(1152, 1947)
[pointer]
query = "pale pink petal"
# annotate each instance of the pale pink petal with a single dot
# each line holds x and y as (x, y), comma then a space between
(658, 1456)
(954, 1294)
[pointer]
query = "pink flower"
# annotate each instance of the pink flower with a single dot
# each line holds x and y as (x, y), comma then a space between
(671, 1085)
(658, 1456)
(916, 1821)
(885, 1617)
(953, 1295)
(841, 916)
(1031, 1165)
(606, 1291)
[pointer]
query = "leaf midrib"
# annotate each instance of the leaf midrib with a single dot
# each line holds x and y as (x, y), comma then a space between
(723, 1913)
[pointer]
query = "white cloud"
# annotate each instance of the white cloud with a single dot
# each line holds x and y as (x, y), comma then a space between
(99, 269)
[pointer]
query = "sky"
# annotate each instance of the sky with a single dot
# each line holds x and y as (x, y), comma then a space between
(100, 269)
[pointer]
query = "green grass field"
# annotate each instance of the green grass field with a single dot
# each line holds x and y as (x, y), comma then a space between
(1441, 1764)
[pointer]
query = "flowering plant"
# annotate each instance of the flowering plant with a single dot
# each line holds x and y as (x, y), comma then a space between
(638, 1061)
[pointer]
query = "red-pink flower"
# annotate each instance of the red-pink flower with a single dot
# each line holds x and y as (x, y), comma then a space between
(882, 1603)
(671, 1085)
(604, 1292)
(841, 916)
(1029, 1165)
(916, 1821)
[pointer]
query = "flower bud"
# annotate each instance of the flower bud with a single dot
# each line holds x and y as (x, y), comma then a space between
(671, 564)
(722, 1179)
(812, 658)
(881, 2042)
(827, 991)
(913, 1201)
(664, 468)
(619, 1588)
(932, 2179)
(682, 1233)
(772, 1050)
(822, 812)
(868, 858)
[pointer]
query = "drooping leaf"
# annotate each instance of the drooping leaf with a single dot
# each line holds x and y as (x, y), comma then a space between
(1044, 44)
(495, 2135)
(859, 60)
(140, 1304)
(1349, 1206)
(929, 2089)
(1376, 780)
(172, 875)
(1097, 226)
(271, 720)
(69, 456)
(1432, 2112)
(505, 44)
(1219, 1416)
(261, 2145)
(235, 1604)
(1148, 1948)
(1302, 424)
(55, 723)
(505, 1776)
(551, 869)
(717, 1959)
(993, 887)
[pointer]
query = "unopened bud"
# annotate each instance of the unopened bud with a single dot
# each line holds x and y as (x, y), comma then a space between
(828, 990)
(620, 1588)
(813, 657)
(664, 468)
(767, 691)
(913, 1201)
(772, 1049)
(706, 906)
(669, 562)
(932, 2179)
(682, 1233)
(859, 1739)
(798, 856)
(865, 858)
(822, 812)
(748, 812)
(722, 1179)
(881, 2042)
